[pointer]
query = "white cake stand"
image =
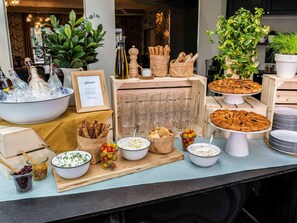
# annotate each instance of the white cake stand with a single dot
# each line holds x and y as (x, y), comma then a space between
(234, 99)
(237, 144)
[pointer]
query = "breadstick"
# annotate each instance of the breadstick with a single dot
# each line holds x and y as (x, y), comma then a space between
(188, 57)
(86, 133)
(157, 50)
(161, 50)
(195, 57)
(181, 57)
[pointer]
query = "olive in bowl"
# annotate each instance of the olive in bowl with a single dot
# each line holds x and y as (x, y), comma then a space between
(204, 154)
(133, 148)
(72, 164)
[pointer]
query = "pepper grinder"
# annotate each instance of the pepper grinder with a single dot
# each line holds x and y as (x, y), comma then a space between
(133, 65)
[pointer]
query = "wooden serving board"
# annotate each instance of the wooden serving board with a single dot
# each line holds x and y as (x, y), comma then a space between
(97, 174)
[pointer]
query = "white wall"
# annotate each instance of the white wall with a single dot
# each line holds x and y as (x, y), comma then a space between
(106, 10)
(5, 49)
(209, 11)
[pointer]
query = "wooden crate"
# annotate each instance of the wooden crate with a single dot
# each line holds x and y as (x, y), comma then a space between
(278, 92)
(195, 86)
(215, 103)
(14, 139)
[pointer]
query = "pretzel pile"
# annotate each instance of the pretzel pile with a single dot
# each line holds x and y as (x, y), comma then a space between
(94, 130)
(184, 58)
(159, 50)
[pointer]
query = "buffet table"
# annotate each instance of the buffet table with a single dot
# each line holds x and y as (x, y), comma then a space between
(169, 181)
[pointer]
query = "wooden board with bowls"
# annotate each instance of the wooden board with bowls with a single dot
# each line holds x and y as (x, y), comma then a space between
(97, 174)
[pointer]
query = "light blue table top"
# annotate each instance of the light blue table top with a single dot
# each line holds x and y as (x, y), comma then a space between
(260, 157)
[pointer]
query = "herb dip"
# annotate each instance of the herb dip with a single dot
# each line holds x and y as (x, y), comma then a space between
(71, 159)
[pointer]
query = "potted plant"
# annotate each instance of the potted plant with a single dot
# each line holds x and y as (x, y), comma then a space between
(238, 37)
(285, 48)
(73, 45)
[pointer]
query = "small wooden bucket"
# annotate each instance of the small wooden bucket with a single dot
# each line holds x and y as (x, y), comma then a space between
(159, 65)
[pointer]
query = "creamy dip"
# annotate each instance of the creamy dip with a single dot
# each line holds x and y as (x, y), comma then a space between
(133, 143)
(71, 159)
(204, 150)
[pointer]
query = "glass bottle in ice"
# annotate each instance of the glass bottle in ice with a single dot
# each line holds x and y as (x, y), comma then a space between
(18, 83)
(54, 82)
(5, 83)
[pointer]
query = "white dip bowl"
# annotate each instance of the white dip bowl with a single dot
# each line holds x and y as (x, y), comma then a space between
(133, 148)
(72, 164)
(204, 154)
(32, 112)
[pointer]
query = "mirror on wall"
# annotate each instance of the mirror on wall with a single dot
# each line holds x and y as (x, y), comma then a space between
(144, 23)
(25, 20)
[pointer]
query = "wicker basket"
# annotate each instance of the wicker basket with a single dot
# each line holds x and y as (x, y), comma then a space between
(159, 65)
(181, 69)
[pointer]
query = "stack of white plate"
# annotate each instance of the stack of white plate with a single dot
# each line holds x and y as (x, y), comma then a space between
(284, 141)
(285, 118)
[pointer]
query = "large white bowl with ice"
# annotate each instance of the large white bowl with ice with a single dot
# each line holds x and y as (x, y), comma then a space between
(32, 112)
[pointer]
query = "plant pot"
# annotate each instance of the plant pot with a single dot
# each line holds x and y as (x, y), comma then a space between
(286, 65)
(67, 82)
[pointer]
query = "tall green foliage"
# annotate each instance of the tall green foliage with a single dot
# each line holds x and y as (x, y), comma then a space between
(285, 43)
(74, 44)
(238, 37)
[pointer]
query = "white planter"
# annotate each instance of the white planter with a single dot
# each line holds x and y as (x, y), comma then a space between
(67, 82)
(286, 65)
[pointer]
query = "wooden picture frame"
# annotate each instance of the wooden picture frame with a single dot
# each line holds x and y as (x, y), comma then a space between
(90, 91)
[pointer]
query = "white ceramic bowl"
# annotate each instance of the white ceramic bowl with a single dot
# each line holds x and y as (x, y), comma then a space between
(200, 155)
(32, 112)
(133, 148)
(71, 169)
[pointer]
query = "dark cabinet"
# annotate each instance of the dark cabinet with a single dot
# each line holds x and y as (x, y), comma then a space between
(271, 7)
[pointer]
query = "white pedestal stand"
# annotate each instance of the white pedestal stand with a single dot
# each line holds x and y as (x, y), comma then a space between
(237, 144)
(234, 99)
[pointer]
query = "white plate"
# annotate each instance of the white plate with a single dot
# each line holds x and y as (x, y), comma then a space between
(285, 135)
(279, 150)
(285, 111)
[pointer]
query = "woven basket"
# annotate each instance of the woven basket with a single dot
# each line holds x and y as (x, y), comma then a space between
(181, 69)
(159, 65)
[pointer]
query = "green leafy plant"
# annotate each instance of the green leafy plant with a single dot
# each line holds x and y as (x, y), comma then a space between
(285, 43)
(238, 37)
(74, 44)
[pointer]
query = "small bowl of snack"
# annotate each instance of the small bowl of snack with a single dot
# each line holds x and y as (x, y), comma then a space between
(188, 138)
(23, 179)
(72, 164)
(162, 140)
(133, 148)
(39, 167)
(204, 154)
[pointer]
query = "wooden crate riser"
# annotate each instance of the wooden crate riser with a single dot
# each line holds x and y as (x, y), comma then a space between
(214, 103)
(193, 90)
(14, 139)
(278, 92)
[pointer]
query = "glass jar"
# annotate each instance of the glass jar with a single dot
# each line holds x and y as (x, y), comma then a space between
(39, 167)
(23, 179)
